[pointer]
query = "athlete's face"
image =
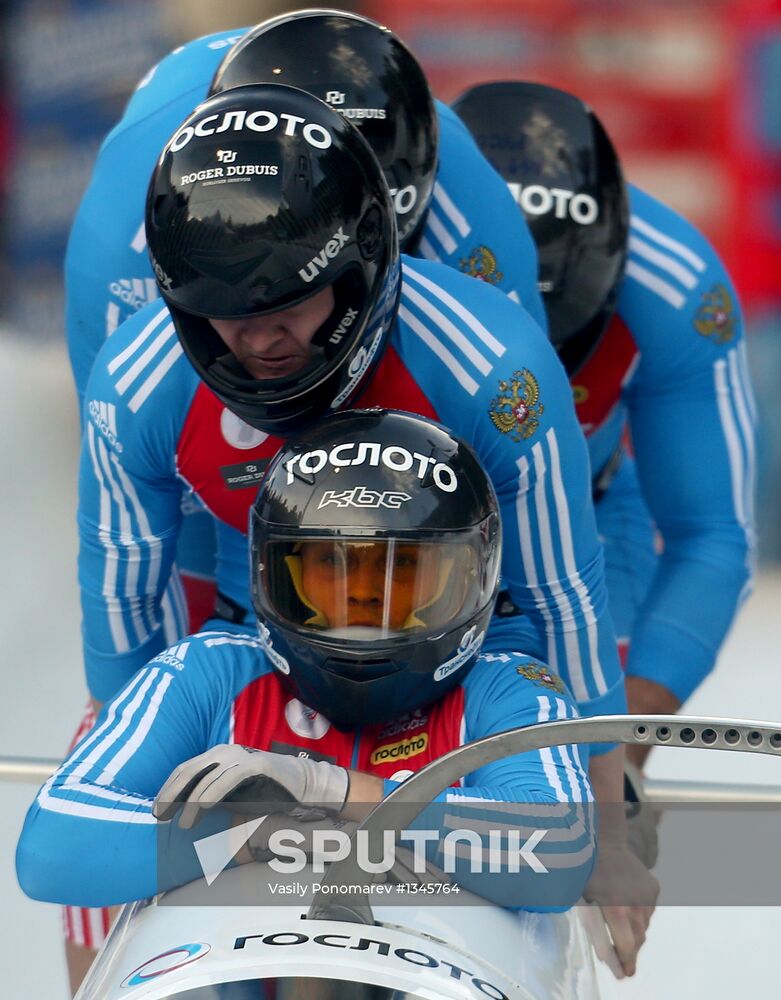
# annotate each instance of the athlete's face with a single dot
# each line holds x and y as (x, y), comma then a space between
(352, 584)
(280, 343)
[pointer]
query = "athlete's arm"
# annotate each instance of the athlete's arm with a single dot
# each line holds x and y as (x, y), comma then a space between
(693, 424)
(494, 378)
(90, 838)
(543, 795)
(107, 272)
(129, 500)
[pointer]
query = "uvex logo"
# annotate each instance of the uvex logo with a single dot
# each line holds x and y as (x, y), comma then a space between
(346, 322)
(319, 263)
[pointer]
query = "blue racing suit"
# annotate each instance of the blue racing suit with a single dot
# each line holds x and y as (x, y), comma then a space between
(667, 408)
(90, 838)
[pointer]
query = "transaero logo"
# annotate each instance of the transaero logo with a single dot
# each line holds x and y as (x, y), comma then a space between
(470, 644)
(276, 658)
(167, 961)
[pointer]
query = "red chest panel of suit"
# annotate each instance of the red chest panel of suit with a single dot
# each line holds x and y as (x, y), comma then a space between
(596, 388)
(223, 459)
(269, 718)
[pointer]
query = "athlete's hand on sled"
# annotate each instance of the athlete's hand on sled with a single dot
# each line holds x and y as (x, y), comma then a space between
(280, 833)
(626, 893)
(641, 818)
(250, 782)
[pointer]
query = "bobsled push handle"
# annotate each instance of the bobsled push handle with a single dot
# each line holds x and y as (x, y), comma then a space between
(407, 800)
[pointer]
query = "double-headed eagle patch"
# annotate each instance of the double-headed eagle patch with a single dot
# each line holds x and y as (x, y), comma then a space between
(716, 316)
(481, 263)
(518, 409)
(539, 674)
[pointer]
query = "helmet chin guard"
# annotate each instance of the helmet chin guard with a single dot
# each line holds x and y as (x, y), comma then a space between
(375, 551)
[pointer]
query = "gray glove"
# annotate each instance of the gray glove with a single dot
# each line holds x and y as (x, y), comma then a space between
(237, 776)
(642, 819)
(258, 843)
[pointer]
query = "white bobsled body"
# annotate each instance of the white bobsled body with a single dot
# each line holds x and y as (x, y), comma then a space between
(464, 950)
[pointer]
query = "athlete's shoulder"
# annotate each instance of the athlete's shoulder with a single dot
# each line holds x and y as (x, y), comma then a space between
(215, 662)
(669, 258)
(449, 122)
(142, 361)
(186, 71)
(653, 218)
(675, 287)
(505, 683)
(438, 296)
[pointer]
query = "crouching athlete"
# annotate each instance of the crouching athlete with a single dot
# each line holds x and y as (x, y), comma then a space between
(373, 584)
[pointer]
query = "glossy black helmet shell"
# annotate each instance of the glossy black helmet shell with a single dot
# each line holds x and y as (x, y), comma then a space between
(366, 74)
(261, 199)
(553, 152)
(369, 477)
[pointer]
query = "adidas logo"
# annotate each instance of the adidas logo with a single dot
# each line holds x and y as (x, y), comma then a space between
(134, 292)
(104, 417)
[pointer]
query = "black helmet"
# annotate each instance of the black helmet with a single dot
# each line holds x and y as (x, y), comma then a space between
(263, 198)
(558, 161)
(375, 544)
(364, 72)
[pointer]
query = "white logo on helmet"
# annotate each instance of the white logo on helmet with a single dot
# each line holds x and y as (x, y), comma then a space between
(276, 658)
(238, 434)
(256, 121)
(336, 99)
(471, 641)
(392, 456)
(162, 278)
(358, 365)
(305, 721)
(404, 199)
(344, 325)
(363, 497)
(321, 260)
(535, 199)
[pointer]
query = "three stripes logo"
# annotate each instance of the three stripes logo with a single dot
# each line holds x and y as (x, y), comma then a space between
(133, 294)
(665, 266)
(104, 417)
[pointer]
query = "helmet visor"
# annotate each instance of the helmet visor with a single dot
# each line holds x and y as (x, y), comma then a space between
(359, 589)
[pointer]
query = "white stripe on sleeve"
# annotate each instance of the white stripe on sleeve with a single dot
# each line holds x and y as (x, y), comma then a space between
(655, 284)
(663, 261)
(474, 324)
(145, 334)
(444, 200)
(686, 253)
(444, 355)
